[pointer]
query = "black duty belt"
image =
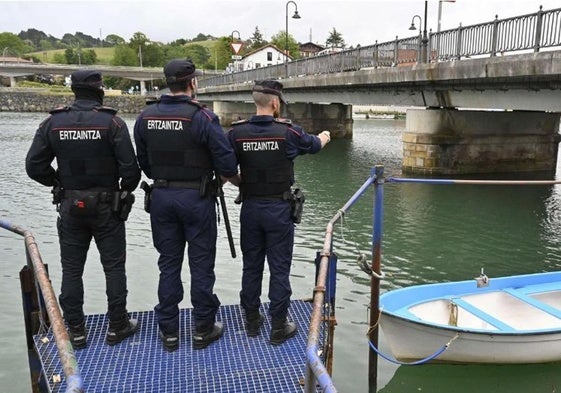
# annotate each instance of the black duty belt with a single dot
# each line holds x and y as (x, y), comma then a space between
(273, 197)
(104, 196)
(194, 184)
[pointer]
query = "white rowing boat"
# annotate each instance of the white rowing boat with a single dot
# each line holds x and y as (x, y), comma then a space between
(515, 319)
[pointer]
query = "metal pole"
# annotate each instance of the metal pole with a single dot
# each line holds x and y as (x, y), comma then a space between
(286, 43)
(295, 16)
(375, 281)
(438, 30)
(425, 39)
(74, 382)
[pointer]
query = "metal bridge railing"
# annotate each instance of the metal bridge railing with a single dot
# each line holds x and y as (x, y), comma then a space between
(74, 382)
(530, 32)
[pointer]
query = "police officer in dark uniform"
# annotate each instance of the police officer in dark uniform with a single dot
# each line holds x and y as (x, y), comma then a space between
(97, 171)
(179, 145)
(266, 147)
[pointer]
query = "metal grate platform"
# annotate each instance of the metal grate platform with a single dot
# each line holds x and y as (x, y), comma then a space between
(235, 363)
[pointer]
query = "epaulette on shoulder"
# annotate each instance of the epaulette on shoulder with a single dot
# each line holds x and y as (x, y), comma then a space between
(107, 109)
(198, 104)
(235, 123)
(283, 121)
(59, 109)
(152, 100)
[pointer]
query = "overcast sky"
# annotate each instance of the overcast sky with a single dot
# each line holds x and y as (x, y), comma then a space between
(359, 21)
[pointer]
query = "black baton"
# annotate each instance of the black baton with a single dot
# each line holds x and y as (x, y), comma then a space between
(220, 194)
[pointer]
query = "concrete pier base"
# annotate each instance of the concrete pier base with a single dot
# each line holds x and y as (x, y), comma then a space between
(457, 142)
(313, 118)
(229, 112)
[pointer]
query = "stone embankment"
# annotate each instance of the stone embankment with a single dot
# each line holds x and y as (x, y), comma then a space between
(40, 101)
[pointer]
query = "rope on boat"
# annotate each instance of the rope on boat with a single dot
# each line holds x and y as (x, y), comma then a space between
(417, 362)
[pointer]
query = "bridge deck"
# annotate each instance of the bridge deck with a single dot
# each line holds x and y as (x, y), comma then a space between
(235, 363)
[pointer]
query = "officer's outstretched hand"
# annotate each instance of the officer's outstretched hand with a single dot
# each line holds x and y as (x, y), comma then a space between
(325, 137)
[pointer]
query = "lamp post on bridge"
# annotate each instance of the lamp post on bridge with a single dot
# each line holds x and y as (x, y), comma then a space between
(424, 38)
(295, 16)
(412, 27)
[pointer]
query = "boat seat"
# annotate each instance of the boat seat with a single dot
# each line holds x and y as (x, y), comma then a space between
(533, 302)
(503, 327)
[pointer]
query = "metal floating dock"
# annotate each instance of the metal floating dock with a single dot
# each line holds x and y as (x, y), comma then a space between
(235, 363)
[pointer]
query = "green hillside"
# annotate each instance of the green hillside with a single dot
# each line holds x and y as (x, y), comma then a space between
(104, 55)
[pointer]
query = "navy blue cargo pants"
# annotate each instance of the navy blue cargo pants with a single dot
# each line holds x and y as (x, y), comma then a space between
(180, 216)
(267, 230)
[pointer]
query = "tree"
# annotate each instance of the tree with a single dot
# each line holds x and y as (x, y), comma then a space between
(335, 39)
(200, 37)
(152, 55)
(114, 40)
(279, 40)
(220, 54)
(88, 56)
(12, 44)
(257, 40)
(125, 56)
(137, 39)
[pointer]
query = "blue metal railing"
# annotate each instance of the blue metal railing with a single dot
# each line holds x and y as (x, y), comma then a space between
(316, 371)
(74, 382)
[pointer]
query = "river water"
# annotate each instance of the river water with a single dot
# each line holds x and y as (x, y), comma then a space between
(432, 233)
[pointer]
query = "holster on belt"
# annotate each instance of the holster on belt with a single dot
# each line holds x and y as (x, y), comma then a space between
(122, 204)
(297, 199)
(147, 195)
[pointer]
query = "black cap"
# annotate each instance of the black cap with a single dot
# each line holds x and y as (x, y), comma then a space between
(269, 87)
(87, 79)
(178, 70)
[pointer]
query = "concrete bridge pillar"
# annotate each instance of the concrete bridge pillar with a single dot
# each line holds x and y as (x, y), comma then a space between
(457, 142)
(314, 118)
(229, 112)
(13, 82)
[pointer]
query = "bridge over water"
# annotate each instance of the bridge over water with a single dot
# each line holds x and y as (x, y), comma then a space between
(454, 78)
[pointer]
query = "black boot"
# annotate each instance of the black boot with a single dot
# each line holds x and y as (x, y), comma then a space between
(78, 335)
(119, 330)
(282, 330)
(170, 341)
(202, 339)
(253, 323)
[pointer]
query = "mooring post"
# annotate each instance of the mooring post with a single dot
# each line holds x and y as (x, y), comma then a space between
(378, 171)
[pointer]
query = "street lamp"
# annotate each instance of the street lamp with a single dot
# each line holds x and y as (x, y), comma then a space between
(295, 16)
(413, 28)
(424, 40)
(140, 55)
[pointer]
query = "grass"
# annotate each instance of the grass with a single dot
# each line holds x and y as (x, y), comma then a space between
(104, 55)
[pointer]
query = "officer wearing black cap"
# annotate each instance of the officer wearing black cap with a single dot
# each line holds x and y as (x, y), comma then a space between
(266, 147)
(179, 145)
(96, 173)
